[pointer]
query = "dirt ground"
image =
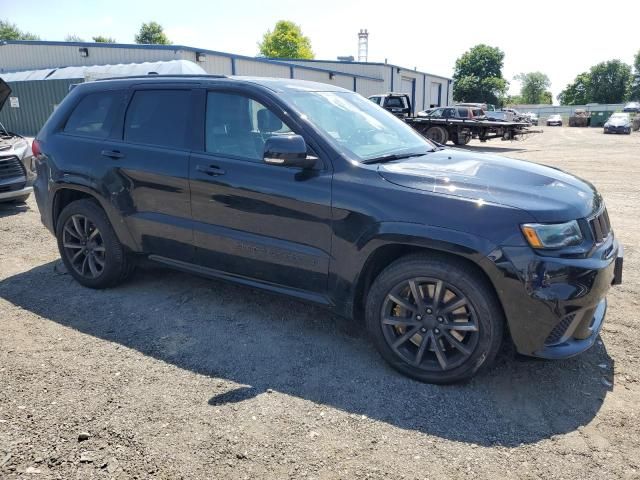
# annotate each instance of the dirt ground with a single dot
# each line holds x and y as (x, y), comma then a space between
(173, 376)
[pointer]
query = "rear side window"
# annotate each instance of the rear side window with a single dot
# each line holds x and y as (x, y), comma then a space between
(94, 115)
(463, 113)
(158, 117)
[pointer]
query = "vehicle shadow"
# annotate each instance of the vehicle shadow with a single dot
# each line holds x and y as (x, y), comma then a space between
(8, 209)
(262, 342)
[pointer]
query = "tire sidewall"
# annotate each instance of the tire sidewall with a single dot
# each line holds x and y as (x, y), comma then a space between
(489, 321)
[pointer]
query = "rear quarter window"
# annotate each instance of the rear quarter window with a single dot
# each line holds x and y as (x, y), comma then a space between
(95, 114)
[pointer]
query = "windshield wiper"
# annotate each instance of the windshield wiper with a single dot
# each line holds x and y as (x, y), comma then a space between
(393, 156)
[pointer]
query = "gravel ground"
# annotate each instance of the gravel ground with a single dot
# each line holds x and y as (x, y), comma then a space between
(173, 376)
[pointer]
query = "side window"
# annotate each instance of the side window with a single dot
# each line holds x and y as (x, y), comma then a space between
(158, 117)
(449, 113)
(463, 113)
(94, 115)
(375, 100)
(238, 126)
(395, 102)
(437, 113)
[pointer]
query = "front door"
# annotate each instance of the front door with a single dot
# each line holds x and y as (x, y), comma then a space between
(257, 221)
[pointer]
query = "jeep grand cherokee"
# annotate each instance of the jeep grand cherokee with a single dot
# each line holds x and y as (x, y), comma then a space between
(314, 191)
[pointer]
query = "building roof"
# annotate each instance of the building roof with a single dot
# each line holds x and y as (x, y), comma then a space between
(185, 48)
(93, 72)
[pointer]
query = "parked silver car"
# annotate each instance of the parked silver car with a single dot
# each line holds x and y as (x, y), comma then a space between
(16, 176)
(554, 120)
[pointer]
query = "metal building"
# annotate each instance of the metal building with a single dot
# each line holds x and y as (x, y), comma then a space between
(366, 78)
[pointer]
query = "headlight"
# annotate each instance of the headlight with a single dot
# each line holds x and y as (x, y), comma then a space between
(552, 235)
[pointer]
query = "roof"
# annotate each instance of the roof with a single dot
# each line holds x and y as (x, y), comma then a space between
(344, 62)
(93, 72)
(275, 84)
(185, 48)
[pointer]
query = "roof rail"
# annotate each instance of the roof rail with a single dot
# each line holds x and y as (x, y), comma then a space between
(168, 75)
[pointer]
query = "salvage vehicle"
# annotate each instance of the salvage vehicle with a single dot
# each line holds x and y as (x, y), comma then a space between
(311, 190)
(445, 124)
(16, 176)
(632, 107)
(618, 123)
(532, 118)
(580, 118)
(396, 103)
(554, 120)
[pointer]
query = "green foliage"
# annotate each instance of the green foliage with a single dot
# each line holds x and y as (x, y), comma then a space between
(73, 38)
(609, 82)
(152, 33)
(103, 39)
(478, 75)
(286, 41)
(10, 31)
(534, 88)
(576, 93)
(606, 82)
(634, 92)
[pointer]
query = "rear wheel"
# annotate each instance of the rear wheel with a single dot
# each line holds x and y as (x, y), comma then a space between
(437, 134)
(89, 247)
(461, 138)
(434, 319)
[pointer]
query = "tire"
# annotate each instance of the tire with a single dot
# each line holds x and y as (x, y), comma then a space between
(437, 134)
(390, 319)
(459, 139)
(83, 231)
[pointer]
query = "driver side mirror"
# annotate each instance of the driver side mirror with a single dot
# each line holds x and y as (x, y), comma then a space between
(287, 151)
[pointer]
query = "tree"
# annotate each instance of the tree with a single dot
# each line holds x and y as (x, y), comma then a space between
(478, 75)
(534, 89)
(103, 39)
(634, 93)
(576, 93)
(609, 82)
(10, 31)
(286, 41)
(152, 33)
(73, 38)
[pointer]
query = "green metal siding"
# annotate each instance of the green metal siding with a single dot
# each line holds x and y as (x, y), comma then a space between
(37, 100)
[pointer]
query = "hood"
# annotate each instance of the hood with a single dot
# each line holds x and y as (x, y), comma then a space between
(548, 194)
(5, 91)
(618, 122)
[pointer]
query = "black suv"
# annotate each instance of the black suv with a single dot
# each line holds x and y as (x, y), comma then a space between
(314, 191)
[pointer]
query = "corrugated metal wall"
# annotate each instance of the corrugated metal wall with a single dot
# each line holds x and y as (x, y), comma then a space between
(37, 99)
(31, 57)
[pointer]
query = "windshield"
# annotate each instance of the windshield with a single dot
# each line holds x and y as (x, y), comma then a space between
(358, 127)
(619, 116)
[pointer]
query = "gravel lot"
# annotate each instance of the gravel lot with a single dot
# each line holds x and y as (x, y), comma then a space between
(173, 376)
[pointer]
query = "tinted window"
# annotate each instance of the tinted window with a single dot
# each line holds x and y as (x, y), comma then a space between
(238, 126)
(396, 102)
(375, 100)
(94, 115)
(437, 113)
(158, 117)
(463, 112)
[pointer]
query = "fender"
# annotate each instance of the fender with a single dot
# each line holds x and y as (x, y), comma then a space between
(81, 184)
(349, 265)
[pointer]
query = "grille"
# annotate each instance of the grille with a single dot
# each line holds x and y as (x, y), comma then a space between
(11, 167)
(600, 226)
(559, 330)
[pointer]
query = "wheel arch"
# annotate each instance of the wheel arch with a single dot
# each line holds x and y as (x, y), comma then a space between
(386, 247)
(68, 193)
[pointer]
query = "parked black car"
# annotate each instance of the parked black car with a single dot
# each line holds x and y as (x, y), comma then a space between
(632, 107)
(314, 191)
(618, 123)
(16, 176)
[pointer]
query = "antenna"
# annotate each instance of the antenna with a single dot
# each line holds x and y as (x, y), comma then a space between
(363, 45)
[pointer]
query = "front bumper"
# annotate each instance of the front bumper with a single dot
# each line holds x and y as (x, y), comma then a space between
(555, 307)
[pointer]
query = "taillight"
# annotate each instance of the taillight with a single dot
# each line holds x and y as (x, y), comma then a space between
(35, 148)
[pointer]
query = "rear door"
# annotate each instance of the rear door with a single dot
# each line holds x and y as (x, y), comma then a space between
(148, 178)
(253, 220)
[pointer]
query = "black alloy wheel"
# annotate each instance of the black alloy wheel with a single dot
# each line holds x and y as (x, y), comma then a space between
(430, 324)
(84, 246)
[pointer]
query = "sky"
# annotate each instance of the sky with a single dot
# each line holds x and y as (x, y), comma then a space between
(558, 37)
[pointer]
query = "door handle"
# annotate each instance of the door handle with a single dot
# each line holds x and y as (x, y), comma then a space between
(112, 154)
(211, 170)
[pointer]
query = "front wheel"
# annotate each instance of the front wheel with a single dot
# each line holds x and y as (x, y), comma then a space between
(89, 247)
(434, 319)
(437, 134)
